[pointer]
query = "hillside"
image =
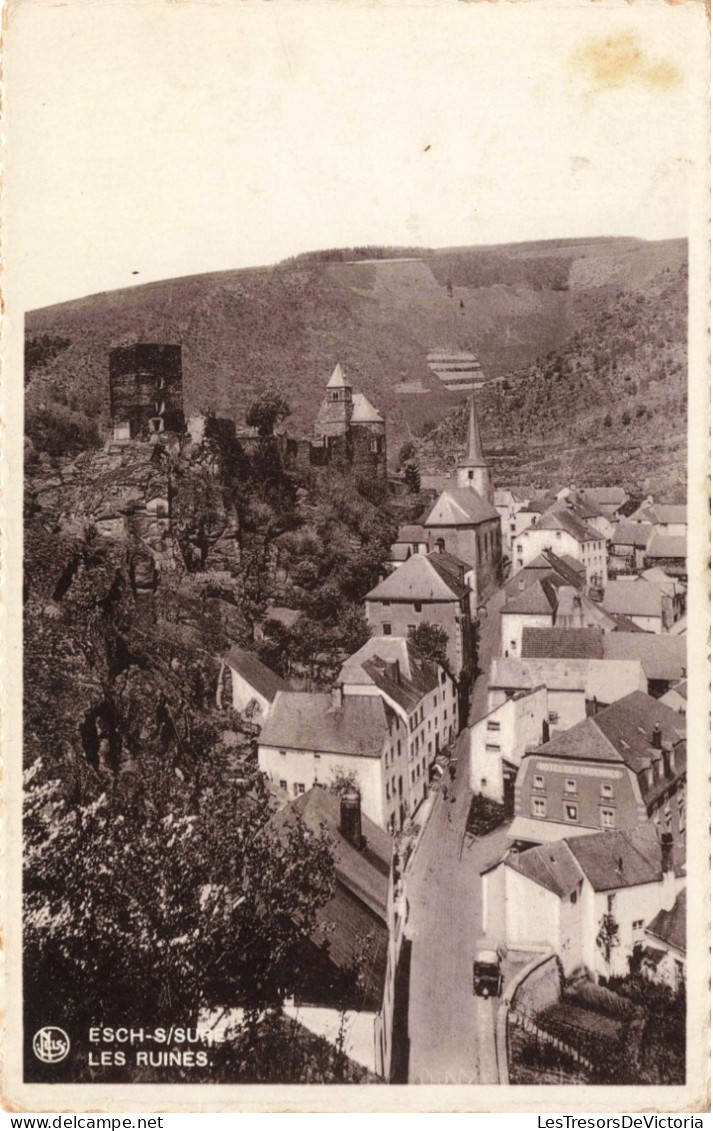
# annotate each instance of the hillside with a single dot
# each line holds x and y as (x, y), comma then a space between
(379, 313)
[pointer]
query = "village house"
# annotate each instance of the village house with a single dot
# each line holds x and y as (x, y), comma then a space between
(576, 688)
(546, 565)
(499, 739)
(628, 546)
(420, 692)
(320, 738)
(599, 518)
(670, 519)
(426, 588)
(508, 501)
(412, 539)
(571, 896)
(463, 520)
(622, 767)
(644, 604)
(662, 955)
(677, 697)
(667, 552)
(672, 587)
(253, 686)
(562, 532)
(663, 657)
(551, 603)
(613, 498)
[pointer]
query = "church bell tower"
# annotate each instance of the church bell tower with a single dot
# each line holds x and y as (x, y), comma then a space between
(473, 471)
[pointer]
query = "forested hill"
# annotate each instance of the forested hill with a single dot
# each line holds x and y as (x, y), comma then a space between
(608, 406)
(378, 311)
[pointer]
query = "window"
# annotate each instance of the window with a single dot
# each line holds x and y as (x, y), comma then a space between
(435, 700)
(553, 716)
(388, 792)
(606, 818)
(283, 753)
(493, 726)
(539, 781)
(318, 756)
(571, 812)
(558, 533)
(493, 747)
(298, 788)
(573, 896)
(417, 606)
(283, 785)
(386, 604)
(637, 925)
(443, 676)
(519, 549)
(386, 629)
(539, 807)
(570, 785)
(607, 789)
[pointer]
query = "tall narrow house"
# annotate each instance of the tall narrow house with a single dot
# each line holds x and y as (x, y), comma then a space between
(464, 520)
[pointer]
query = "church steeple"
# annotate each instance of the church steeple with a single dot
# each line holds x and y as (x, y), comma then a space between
(473, 470)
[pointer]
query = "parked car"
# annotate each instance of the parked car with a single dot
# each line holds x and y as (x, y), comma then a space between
(487, 971)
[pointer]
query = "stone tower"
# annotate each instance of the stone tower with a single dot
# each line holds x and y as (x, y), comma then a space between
(335, 414)
(146, 389)
(473, 471)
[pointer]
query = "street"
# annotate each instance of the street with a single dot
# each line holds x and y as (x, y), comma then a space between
(451, 1032)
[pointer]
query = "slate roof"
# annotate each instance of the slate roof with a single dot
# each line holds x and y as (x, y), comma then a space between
(338, 380)
(608, 496)
(557, 675)
(552, 866)
(666, 546)
(540, 598)
(670, 513)
(635, 534)
(565, 520)
(266, 682)
(363, 411)
(419, 579)
(389, 663)
(356, 918)
(662, 656)
(563, 643)
(460, 506)
(632, 598)
(670, 926)
(621, 858)
(622, 732)
(306, 720)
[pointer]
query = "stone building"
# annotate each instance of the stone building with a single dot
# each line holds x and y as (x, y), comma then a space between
(463, 520)
(146, 390)
(349, 432)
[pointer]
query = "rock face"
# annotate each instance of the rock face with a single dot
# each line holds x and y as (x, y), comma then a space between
(167, 499)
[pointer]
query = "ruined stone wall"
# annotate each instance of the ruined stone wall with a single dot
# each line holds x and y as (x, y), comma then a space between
(146, 383)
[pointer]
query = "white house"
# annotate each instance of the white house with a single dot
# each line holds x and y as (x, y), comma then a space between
(421, 693)
(564, 533)
(252, 684)
(498, 741)
(663, 953)
(314, 738)
(644, 604)
(564, 895)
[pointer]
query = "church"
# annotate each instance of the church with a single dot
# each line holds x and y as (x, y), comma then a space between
(463, 520)
(349, 429)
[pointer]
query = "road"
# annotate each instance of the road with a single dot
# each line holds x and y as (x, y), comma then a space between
(451, 1032)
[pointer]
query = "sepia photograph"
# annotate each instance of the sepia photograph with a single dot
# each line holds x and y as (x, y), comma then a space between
(356, 395)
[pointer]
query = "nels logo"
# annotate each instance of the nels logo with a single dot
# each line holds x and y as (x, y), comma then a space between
(50, 1044)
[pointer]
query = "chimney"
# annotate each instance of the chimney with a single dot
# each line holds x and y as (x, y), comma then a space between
(350, 818)
(337, 697)
(668, 877)
(657, 737)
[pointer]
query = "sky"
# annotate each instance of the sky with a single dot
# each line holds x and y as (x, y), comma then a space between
(148, 140)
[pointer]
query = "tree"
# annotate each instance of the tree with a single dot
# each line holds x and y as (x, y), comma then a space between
(267, 411)
(407, 452)
(430, 641)
(412, 477)
(608, 937)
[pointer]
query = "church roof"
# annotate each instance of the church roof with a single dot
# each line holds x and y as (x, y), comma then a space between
(338, 380)
(363, 410)
(419, 579)
(460, 506)
(474, 455)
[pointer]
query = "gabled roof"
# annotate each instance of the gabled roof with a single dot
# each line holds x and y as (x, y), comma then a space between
(608, 496)
(338, 380)
(670, 926)
(557, 675)
(563, 643)
(552, 866)
(662, 656)
(353, 925)
(622, 732)
(621, 858)
(670, 513)
(632, 534)
(266, 682)
(567, 521)
(418, 579)
(632, 598)
(306, 720)
(666, 546)
(363, 411)
(460, 506)
(537, 599)
(392, 665)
